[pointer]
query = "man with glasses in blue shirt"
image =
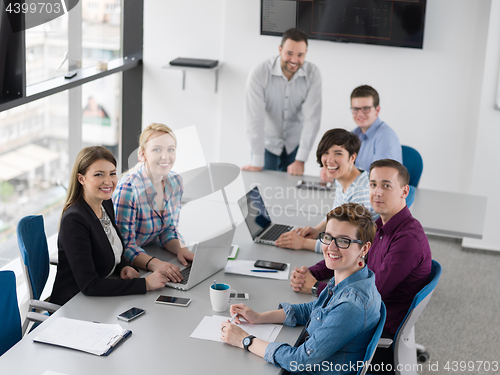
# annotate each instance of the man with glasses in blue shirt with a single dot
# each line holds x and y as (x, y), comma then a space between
(378, 140)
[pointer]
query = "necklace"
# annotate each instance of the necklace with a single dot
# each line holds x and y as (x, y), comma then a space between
(106, 225)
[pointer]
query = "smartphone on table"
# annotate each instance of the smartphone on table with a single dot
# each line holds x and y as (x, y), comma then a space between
(130, 314)
(270, 265)
(170, 300)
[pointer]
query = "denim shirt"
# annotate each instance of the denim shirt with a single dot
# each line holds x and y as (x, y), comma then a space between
(340, 324)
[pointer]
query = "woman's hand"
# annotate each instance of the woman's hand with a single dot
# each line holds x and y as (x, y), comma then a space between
(302, 280)
(128, 272)
(156, 280)
(184, 255)
(232, 334)
(307, 232)
(291, 240)
(244, 312)
(171, 271)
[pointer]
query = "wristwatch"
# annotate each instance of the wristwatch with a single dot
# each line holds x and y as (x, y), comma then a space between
(247, 341)
(314, 289)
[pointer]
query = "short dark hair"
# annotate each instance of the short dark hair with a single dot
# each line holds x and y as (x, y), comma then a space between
(294, 34)
(338, 137)
(357, 215)
(366, 91)
(403, 175)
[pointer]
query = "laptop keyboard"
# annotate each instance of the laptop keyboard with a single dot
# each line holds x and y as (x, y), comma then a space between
(185, 275)
(276, 231)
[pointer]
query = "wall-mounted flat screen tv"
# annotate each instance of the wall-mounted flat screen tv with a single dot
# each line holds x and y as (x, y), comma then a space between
(398, 23)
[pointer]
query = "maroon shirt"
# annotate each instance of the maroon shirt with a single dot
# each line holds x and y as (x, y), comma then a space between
(401, 259)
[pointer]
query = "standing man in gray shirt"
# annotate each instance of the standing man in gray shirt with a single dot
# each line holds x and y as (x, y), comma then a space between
(283, 108)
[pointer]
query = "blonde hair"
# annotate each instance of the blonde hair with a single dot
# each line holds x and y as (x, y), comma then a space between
(150, 130)
(84, 160)
(144, 138)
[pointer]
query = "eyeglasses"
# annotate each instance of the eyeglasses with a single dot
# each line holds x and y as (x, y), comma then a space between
(365, 110)
(341, 243)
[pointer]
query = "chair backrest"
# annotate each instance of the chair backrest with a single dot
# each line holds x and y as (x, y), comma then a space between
(10, 320)
(414, 163)
(404, 340)
(370, 350)
(34, 251)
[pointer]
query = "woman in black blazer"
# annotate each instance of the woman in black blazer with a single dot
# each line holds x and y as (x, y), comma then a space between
(90, 244)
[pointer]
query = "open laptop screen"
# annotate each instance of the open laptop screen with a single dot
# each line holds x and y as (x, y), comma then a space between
(257, 219)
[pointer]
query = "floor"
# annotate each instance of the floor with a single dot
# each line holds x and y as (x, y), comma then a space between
(460, 326)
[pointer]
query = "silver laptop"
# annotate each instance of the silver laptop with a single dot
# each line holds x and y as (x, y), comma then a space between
(210, 257)
(258, 221)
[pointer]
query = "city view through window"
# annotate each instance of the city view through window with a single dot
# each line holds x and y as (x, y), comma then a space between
(34, 161)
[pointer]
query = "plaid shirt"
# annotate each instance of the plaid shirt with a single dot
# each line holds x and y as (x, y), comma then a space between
(137, 215)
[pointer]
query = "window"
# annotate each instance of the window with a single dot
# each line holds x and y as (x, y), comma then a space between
(46, 49)
(101, 33)
(33, 161)
(36, 145)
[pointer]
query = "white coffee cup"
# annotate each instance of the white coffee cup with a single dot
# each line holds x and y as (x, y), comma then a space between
(220, 296)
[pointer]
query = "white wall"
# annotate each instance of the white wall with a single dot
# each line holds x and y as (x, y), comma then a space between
(189, 28)
(431, 97)
(484, 179)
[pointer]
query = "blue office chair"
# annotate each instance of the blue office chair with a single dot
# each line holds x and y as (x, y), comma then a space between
(414, 163)
(34, 251)
(10, 321)
(405, 349)
(372, 346)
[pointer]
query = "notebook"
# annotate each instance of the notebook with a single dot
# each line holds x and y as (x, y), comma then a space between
(210, 257)
(258, 221)
(90, 337)
(194, 63)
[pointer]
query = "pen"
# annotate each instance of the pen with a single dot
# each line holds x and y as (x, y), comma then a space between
(264, 271)
(232, 318)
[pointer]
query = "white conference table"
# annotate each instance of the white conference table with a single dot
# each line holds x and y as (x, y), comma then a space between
(160, 342)
(440, 213)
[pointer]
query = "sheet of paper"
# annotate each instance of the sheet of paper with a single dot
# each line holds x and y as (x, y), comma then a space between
(209, 329)
(89, 337)
(245, 267)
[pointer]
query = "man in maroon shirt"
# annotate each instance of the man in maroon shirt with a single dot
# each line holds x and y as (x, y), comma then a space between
(400, 255)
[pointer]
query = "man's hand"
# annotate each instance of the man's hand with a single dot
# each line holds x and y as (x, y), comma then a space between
(302, 280)
(296, 168)
(323, 175)
(251, 168)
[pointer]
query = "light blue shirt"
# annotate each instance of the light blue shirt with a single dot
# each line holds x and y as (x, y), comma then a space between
(340, 324)
(379, 142)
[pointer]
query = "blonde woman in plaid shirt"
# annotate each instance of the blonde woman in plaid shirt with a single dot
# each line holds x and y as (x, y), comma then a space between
(147, 202)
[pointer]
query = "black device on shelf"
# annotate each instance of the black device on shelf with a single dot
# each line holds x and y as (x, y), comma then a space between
(194, 63)
(398, 23)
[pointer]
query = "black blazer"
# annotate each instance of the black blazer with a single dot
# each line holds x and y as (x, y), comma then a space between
(86, 257)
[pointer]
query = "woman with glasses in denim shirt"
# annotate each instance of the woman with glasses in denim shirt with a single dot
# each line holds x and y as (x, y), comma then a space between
(341, 322)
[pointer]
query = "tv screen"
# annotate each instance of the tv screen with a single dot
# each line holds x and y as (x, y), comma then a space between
(397, 23)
